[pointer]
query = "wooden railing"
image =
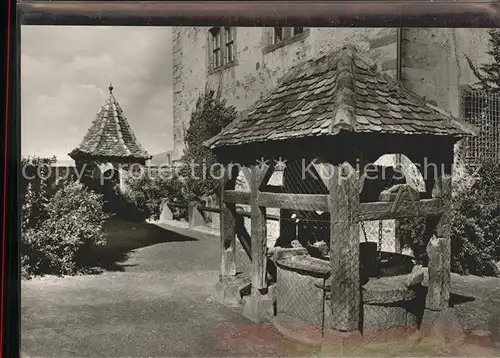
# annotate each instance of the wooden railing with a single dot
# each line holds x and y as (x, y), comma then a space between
(196, 211)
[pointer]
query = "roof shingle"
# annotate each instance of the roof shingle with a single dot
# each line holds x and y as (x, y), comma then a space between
(342, 91)
(110, 135)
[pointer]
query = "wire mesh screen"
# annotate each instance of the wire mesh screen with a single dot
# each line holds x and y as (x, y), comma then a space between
(301, 292)
(243, 261)
(482, 109)
(386, 322)
(310, 226)
(300, 297)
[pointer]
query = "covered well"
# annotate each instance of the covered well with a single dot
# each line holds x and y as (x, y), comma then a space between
(332, 118)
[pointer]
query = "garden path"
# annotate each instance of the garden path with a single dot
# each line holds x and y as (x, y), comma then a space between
(154, 299)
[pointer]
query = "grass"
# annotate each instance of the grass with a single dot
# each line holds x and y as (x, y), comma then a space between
(123, 238)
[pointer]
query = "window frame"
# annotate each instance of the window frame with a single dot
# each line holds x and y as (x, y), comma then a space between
(222, 43)
(289, 35)
(215, 47)
(282, 35)
(229, 44)
(297, 30)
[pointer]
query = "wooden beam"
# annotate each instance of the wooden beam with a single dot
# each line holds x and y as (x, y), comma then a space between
(439, 286)
(442, 190)
(367, 211)
(381, 210)
(439, 249)
(293, 201)
(227, 230)
(259, 235)
(245, 238)
(237, 197)
(343, 203)
(241, 231)
(228, 243)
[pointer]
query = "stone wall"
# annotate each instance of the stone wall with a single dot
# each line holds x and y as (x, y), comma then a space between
(258, 66)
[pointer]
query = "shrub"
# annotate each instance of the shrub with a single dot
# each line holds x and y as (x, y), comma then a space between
(193, 179)
(31, 167)
(475, 223)
(57, 233)
(148, 190)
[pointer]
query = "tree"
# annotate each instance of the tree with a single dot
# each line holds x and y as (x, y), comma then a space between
(210, 116)
(489, 74)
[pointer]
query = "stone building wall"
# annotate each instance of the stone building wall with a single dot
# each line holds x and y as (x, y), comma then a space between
(435, 66)
(257, 68)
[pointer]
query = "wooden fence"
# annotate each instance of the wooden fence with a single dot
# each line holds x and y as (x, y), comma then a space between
(197, 211)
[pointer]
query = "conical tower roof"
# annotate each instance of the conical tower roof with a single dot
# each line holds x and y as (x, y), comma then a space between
(110, 136)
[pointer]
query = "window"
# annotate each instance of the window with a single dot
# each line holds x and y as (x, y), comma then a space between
(229, 41)
(215, 39)
(278, 35)
(297, 30)
(222, 46)
(482, 110)
(283, 33)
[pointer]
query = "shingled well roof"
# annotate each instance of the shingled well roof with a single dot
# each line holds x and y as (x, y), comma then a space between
(342, 91)
(110, 135)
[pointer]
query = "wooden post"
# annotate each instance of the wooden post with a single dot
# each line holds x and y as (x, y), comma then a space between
(165, 212)
(255, 177)
(259, 306)
(398, 248)
(344, 250)
(228, 289)
(343, 203)
(228, 242)
(287, 227)
(195, 217)
(227, 231)
(439, 250)
(397, 223)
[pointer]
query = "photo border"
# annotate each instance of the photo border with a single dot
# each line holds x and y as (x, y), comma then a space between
(367, 13)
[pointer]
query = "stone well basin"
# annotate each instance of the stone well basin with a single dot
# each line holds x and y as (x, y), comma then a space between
(390, 290)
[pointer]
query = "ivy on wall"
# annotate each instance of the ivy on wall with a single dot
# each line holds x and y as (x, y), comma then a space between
(210, 116)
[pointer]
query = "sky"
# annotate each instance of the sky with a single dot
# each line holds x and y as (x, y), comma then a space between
(65, 75)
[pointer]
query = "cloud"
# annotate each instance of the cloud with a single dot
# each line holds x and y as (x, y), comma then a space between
(65, 74)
